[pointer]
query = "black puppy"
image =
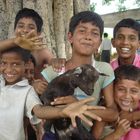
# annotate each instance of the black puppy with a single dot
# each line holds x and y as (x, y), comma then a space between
(83, 77)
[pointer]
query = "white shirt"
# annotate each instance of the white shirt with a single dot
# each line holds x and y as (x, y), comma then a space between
(16, 101)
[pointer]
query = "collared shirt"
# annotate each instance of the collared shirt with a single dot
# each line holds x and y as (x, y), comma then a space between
(136, 62)
(16, 101)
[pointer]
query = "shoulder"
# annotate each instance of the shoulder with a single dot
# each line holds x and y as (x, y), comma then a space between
(103, 67)
(114, 63)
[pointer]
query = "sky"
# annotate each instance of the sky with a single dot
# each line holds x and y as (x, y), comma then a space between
(104, 9)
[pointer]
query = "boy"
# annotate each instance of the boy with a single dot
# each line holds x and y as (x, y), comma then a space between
(85, 33)
(126, 40)
(18, 98)
(127, 96)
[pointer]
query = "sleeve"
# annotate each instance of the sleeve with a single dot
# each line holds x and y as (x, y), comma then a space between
(49, 74)
(32, 99)
(110, 75)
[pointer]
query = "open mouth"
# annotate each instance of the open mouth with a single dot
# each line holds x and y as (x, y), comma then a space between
(125, 50)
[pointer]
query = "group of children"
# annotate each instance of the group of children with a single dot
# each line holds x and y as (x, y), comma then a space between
(120, 91)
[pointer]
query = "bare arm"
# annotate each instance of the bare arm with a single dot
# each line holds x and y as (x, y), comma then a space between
(109, 115)
(80, 109)
(7, 43)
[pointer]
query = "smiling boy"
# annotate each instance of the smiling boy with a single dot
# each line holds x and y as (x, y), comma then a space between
(126, 40)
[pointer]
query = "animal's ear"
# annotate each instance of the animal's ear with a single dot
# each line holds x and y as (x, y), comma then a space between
(78, 70)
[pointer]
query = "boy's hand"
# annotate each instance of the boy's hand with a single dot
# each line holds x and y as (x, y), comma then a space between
(40, 86)
(122, 128)
(58, 64)
(30, 41)
(82, 110)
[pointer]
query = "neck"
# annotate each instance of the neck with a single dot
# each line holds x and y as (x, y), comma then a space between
(76, 61)
(123, 61)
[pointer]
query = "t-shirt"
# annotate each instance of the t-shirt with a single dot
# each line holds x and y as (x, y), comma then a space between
(115, 63)
(133, 134)
(16, 101)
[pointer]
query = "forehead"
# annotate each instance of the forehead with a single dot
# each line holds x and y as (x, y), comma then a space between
(128, 83)
(11, 56)
(88, 25)
(26, 20)
(127, 31)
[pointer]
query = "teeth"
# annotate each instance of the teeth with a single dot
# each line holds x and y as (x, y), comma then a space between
(126, 103)
(125, 49)
(9, 75)
(22, 35)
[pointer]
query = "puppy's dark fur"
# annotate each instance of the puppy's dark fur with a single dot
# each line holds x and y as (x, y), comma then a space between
(83, 77)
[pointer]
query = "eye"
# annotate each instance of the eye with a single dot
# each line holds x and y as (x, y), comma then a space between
(132, 38)
(120, 37)
(135, 91)
(121, 89)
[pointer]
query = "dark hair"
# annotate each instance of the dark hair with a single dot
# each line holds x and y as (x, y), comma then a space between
(86, 16)
(32, 59)
(105, 34)
(25, 54)
(129, 23)
(29, 13)
(129, 72)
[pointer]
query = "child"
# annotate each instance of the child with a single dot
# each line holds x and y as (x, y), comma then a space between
(85, 36)
(127, 96)
(126, 40)
(18, 98)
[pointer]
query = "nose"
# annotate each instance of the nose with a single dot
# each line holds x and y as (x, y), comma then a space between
(26, 30)
(127, 94)
(88, 36)
(126, 40)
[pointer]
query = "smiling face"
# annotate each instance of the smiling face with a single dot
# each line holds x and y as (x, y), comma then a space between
(126, 42)
(24, 26)
(86, 39)
(127, 94)
(12, 67)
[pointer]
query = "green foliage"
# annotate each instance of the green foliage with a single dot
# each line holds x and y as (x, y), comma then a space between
(120, 5)
(92, 7)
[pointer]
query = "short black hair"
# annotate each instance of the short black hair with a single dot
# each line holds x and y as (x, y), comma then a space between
(29, 13)
(86, 16)
(127, 22)
(25, 54)
(129, 72)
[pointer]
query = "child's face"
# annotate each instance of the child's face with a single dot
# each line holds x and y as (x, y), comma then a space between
(29, 71)
(12, 67)
(86, 39)
(24, 26)
(127, 94)
(126, 42)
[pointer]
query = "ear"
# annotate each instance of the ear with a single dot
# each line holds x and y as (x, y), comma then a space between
(78, 70)
(113, 42)
(139, 45)
(70, 37)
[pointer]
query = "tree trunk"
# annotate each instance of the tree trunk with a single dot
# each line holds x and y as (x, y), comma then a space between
(56, 15)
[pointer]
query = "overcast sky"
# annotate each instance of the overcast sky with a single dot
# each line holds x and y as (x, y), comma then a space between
(103, 9)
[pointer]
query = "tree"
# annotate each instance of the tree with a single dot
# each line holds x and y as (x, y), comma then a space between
(121, 4)
(56, 15)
